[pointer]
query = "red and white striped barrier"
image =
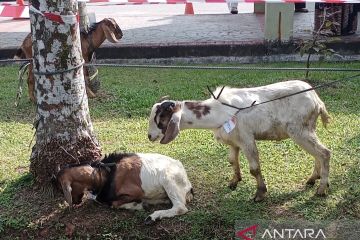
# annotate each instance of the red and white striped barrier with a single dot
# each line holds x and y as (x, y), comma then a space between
(14, 11)
(126, 2)
(22, 11)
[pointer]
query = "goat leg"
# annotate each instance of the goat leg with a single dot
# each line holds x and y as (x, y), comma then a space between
(177, 196)
(127, 202)
(89, 93)
(251, 152)
(311, 144)
(234, 161)
(316, 173)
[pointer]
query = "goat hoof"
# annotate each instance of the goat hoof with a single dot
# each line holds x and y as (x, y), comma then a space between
(232, 185)
(323, 194)
(149, 221)
(310, 182)
(258, 198)
(260, 194)
(321, 191)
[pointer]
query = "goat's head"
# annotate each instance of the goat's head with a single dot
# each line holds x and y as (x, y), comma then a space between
(164, 121)
(74, 181)
(112, 30)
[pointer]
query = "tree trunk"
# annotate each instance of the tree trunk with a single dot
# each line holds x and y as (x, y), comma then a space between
(84, 18)
(64, 132)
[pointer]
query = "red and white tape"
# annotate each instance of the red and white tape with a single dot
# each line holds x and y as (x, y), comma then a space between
(22, 11)
(67, 19)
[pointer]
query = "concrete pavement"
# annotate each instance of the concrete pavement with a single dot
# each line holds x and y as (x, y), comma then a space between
(162, 31)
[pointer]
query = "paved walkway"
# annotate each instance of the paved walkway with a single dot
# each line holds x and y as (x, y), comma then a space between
(166, 25)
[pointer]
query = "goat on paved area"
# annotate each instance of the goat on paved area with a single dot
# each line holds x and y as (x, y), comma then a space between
(90, 41)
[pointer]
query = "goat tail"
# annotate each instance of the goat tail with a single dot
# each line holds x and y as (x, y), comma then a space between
(19, 54)
(325, 117)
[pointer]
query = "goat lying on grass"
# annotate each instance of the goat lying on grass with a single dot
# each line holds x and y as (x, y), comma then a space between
(129, 180)
(291, 117)
(90, 41)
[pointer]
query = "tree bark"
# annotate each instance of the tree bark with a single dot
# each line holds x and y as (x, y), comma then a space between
(64, 132)
(84, 18)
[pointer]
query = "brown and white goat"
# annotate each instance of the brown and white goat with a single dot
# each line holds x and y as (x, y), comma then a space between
(130, 181)
(291, 117)
(90, 41)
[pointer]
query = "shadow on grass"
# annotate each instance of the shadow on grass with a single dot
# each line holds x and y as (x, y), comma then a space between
(301, 203)
(9, 217)
(343, 200)
(27, 213)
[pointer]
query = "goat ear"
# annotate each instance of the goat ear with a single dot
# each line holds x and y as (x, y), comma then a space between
(110, 36)
(67, 193)
(113, 22)
(173, 128)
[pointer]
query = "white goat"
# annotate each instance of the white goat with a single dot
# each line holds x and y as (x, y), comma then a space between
(293, 117)
(129, 180)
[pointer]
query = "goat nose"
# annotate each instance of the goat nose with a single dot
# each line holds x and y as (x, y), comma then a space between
(149, 136)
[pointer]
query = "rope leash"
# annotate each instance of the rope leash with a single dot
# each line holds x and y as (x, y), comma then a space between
(94, 75)
(247, 68)
(60, 71)
(21, 73)
(212, 68)
(15, 60)
(282, 97)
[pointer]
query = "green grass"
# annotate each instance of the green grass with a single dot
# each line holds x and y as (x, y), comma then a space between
(120, 120)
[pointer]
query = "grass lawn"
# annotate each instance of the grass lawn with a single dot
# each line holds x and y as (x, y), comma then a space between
(120, 119)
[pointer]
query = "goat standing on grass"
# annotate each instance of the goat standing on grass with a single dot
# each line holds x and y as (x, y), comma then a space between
(129, 180)
(90, 41)
(291, 117)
